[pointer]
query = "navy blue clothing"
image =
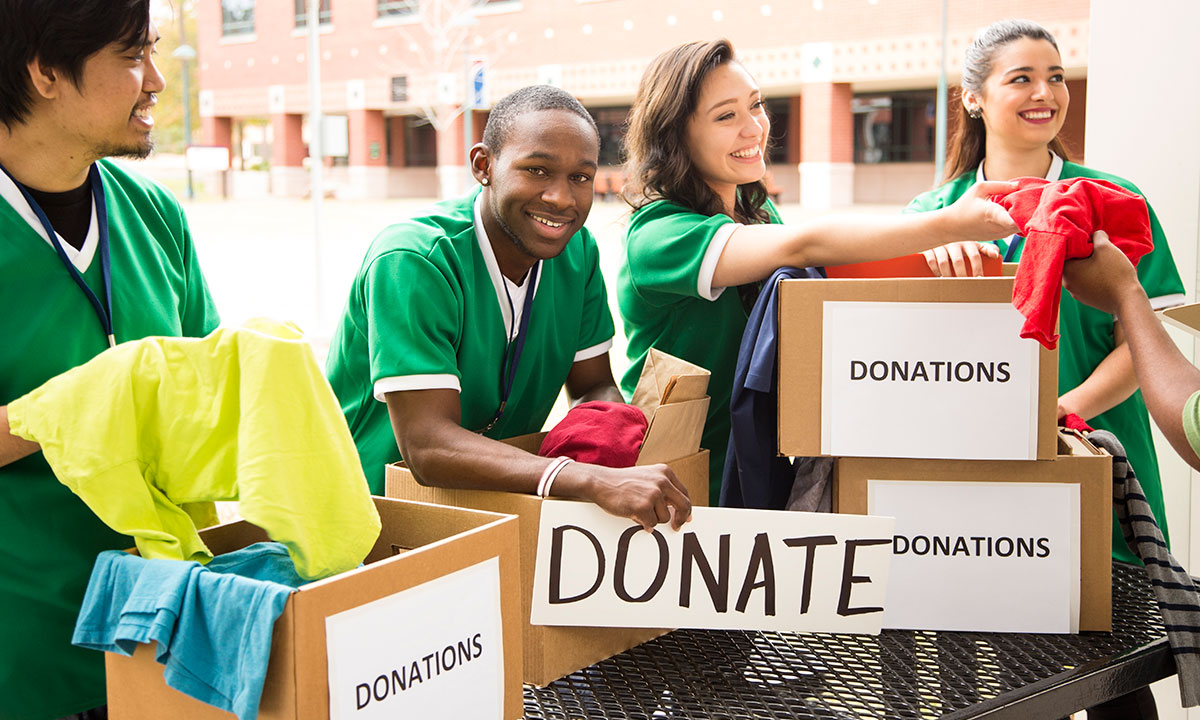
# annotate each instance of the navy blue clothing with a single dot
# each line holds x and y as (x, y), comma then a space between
(755, 476)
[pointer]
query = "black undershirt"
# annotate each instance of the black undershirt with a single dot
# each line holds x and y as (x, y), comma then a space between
(70, 212)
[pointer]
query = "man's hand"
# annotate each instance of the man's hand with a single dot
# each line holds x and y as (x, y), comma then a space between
(1104, 279)
(647, 494)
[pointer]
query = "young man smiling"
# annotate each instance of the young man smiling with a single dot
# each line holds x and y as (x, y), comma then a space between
(464, 324)
(90, 255)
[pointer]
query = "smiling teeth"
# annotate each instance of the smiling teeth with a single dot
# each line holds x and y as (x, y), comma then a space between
(747, 153)
(1036, 115)
(546, 222)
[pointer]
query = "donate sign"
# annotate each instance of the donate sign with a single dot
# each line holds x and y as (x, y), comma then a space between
(726, 569)
(435, 650)
(928, 380)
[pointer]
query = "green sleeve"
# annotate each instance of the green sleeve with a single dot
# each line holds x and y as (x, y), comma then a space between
(1191, 421)
(596, 325)
(414, 317)
(198, 315)
(665, 246)
(1157, 271)
(931, 200)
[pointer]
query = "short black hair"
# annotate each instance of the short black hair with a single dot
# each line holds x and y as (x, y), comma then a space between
(533, 98)
(62, 34)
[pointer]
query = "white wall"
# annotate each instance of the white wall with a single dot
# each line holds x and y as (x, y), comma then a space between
(1143, 123)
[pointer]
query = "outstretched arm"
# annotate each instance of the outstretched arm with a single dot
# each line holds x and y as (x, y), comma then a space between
(755, 251)
(1108, 282)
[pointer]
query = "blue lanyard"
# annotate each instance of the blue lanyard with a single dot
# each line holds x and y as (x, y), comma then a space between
(1014, 244)
(103, 312)
(514, 348)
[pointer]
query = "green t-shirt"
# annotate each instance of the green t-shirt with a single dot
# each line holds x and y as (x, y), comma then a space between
(48, 538)
(1086, 338)
(428, 310)
(666, 298)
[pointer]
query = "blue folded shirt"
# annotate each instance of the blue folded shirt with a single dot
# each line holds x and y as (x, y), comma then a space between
(212, 625)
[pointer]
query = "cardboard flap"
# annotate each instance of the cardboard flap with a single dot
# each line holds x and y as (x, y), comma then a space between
(913, 265)
(1184, 317)
(674, 431)
(666, 378)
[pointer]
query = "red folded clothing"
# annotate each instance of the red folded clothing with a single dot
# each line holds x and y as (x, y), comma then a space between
(1071, 421)
(598, 432)
(1057, 220)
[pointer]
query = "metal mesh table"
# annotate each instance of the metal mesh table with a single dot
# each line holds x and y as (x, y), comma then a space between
(731, 675)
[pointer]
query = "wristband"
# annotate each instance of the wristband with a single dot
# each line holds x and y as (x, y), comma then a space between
(548, 475)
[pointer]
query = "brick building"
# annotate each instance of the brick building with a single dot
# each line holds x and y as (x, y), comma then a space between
(851, 83)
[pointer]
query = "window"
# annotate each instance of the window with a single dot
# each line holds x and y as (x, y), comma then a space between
(894, 127)
(420, 142)
(237, 17)
(396, 8)
(324, 12)
(611, 124)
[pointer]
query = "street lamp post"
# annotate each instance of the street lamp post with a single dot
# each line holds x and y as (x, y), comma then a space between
(186, 53)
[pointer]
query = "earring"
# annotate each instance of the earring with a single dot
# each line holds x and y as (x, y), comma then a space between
(483, 181)
(975, 112)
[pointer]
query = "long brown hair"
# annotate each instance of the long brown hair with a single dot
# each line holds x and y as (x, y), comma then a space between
(659, 166)
(969, 143)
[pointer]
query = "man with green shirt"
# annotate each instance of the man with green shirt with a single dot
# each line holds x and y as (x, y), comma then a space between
(90, 256)
(464, 323)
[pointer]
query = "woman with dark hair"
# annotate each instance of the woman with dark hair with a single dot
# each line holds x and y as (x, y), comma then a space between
(702, 222)
(1014, 102)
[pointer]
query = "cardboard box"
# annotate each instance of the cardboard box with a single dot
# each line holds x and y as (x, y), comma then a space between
(803, 351)
(1077, 461)
(419, 543)
(550, 652)
(1184, 317)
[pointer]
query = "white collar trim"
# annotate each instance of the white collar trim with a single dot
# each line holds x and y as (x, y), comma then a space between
(493, 267)
(1054, 174)
(81, 258)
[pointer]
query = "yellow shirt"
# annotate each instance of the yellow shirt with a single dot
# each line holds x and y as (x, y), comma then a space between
(242, 414)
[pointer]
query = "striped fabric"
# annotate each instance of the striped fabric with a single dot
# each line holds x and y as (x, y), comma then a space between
(1177, 597)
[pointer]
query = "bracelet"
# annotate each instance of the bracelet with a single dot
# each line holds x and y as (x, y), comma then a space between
(550, 473)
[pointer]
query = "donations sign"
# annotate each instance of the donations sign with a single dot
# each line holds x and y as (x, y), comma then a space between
(928, 380)
(725, 569)
(434, 650)
(982, 556)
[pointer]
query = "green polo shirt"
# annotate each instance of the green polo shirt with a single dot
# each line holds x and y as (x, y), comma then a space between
(666, 298)
(48, 538)
(1086, 338)
(427, 311)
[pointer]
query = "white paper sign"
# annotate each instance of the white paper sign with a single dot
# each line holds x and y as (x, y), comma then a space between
(434, 650)
(726, 569)
(928, 380)
(992, 557)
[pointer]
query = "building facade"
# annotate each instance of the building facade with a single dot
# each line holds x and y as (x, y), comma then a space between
(850, 83)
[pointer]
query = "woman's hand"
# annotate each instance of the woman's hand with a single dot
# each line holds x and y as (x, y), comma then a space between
(960, 259)
(975, 217)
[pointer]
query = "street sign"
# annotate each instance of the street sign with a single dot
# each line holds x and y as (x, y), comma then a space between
(477, 90)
